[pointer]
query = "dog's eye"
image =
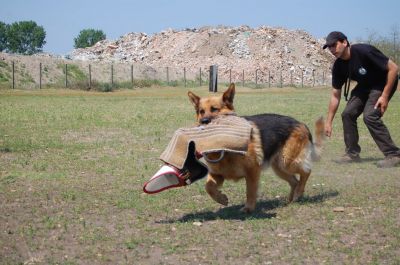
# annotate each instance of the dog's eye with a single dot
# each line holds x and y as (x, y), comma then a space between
(213, 109)
(202, 112)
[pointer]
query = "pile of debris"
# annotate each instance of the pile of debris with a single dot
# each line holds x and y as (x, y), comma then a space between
(271, 51)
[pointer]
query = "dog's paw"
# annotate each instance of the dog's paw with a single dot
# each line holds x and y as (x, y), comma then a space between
(247, 209)
(222, 199)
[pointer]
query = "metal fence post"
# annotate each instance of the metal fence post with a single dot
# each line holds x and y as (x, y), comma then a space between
(184, 75)
(90, 76)
(40, 75)
(132, 74)
(66, 75)
(200, 76)
(167, 75)
(13, 75)
(112, 75)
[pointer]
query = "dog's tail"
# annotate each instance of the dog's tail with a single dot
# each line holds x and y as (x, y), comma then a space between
(319, 138)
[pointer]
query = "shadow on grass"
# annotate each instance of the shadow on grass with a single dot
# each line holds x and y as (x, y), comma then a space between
(234, 213)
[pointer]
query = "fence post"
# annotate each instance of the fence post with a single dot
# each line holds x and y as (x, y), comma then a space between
(281, 80)
(13, 75)
(291, 78)
(256, 77)
(313, 77)
(40, 75)
(213, 82)
(230, 76)
(200, 76)
(302, 78)
(184, 75)
(243, 79)
(269, 78)
(66, 75)
(90, 76)
(167, 75)
(112, 75)
(131, 73)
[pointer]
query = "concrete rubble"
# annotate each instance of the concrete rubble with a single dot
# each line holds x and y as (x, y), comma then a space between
(274, 53)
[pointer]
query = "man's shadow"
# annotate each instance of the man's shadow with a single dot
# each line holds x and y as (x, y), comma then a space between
(262, 210)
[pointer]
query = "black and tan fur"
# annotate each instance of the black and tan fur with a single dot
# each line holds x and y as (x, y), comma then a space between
(278, 141)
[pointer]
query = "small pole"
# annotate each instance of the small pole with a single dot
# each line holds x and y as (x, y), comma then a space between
(243, 79)
(291, 78)
(132, 74)
(40, 75)
(66, 75)
(184, 75)
(112, 75)
(200, 76)
(230, 76)
(256, 76)
(269, 78)
(281, 80)
(313, 77)
(302, 78)
(167, 75)
(90, 76)
(13, 75)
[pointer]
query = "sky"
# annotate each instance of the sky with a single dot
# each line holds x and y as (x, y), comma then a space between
(63, 20)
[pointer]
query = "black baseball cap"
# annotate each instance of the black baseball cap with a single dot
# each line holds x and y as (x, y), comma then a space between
(333, 37)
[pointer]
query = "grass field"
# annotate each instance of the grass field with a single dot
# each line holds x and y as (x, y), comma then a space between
(72, 166)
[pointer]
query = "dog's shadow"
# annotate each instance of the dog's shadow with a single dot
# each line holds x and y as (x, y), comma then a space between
(261, 212)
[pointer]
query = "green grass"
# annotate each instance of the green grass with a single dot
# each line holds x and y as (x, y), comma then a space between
(72, 166)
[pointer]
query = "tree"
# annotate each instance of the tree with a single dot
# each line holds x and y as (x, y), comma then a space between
(25, 37)
(3, 39)
(88, 37)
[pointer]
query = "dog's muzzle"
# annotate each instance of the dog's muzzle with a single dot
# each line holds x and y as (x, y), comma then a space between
(205, 121)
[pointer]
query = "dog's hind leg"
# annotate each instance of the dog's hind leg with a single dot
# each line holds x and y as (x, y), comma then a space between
(299, 190)
(214, 182)
(290, 178)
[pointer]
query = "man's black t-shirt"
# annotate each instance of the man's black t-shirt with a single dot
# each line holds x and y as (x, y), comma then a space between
(367, 66)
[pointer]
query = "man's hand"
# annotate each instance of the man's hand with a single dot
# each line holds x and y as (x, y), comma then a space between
(328, 129)
(382, 103)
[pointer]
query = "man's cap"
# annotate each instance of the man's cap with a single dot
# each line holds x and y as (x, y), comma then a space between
(333, 37)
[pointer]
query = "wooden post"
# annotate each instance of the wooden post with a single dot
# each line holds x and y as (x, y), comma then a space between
(13, 75)
(40, 75)
(256, 77)
(313, 77)
(112, 75)
(132, 74)
(167, 75)
(184, 75)
(90, 77)
(200, 76)
(66, 75)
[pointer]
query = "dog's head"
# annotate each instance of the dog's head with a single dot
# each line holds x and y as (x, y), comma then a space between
(208, 108)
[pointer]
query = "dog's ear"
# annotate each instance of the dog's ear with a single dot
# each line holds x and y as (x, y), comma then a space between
(229, 94)
(194, 99)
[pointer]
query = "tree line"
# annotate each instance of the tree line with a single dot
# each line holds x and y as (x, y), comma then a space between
(26, 37)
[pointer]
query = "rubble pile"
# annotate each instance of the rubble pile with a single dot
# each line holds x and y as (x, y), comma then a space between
(272, 52)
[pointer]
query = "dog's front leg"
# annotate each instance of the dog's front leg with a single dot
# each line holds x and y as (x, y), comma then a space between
(251, 192)
(214, 182)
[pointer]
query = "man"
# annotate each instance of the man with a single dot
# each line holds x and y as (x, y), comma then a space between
(377, 78)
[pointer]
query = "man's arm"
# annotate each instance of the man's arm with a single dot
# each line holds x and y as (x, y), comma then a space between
(332, 108)
(383, 100)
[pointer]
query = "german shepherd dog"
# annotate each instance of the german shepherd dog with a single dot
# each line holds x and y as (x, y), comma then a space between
(284, 143)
